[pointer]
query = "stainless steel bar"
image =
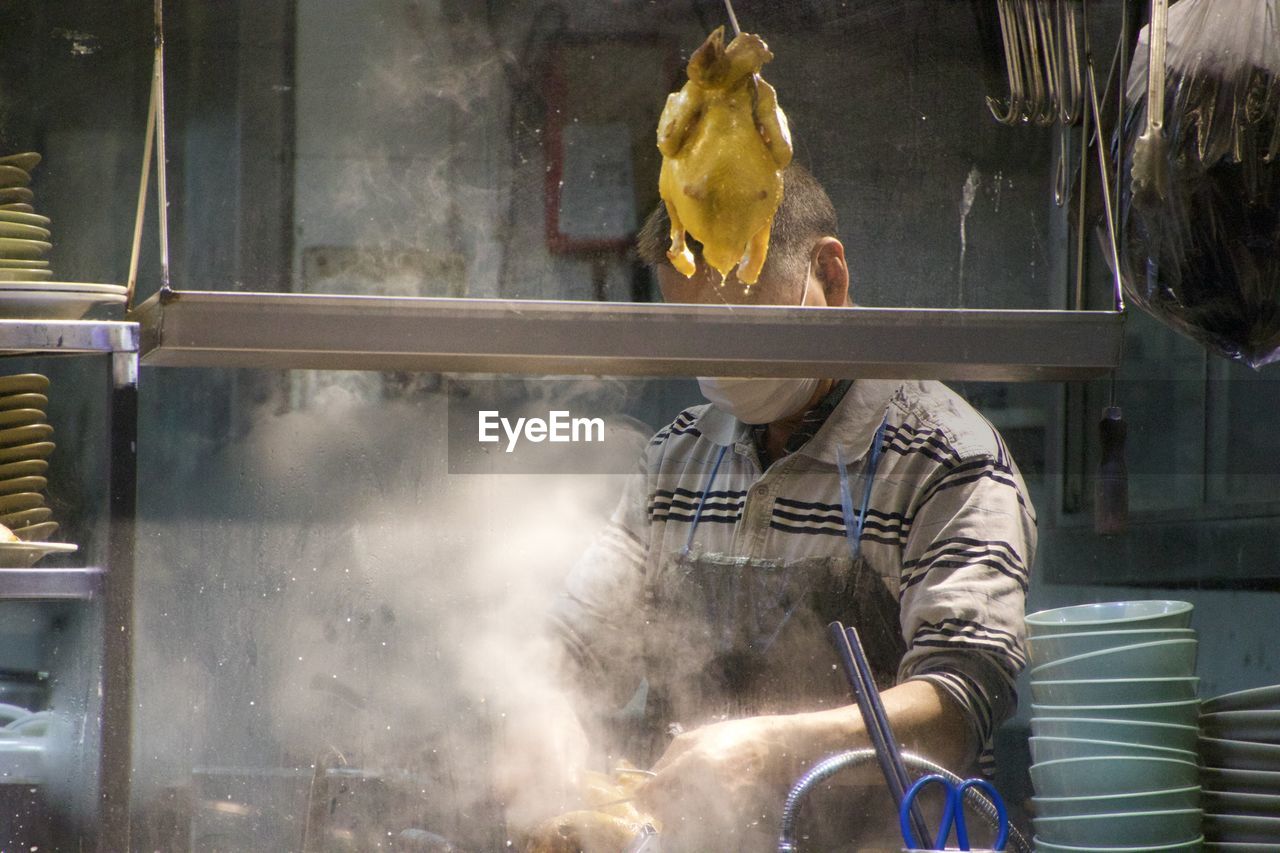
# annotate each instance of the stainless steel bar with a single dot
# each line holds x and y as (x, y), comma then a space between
(308, 331)
(144, 182)
(733, 18)
(1108, 200)
(1082, 202)
(66, 336)
(162, 176)
(115, 755)
(50, 584)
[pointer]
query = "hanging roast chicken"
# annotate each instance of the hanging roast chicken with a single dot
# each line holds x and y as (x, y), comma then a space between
(724, 142)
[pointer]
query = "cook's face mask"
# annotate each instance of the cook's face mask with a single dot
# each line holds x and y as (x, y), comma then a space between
(759, 400)
(755, 400)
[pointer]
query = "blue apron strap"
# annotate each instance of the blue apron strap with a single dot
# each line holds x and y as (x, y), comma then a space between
(702, 501)
(853, 527)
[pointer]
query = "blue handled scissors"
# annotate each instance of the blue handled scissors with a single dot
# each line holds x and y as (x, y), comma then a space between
(953, 812)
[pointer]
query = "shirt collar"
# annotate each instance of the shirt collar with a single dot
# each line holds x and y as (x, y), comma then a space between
(854, 422)
(850, 427)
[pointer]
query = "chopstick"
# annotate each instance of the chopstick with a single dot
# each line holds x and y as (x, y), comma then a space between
(858, 671)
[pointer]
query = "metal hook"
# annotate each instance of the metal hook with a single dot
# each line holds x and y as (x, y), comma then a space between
(1031, 44)
(1049, 37)
(1009, 112)
(1072, 102)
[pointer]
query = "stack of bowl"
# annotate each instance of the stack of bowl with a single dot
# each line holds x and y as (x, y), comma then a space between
(1113, 727)
(1240, 749)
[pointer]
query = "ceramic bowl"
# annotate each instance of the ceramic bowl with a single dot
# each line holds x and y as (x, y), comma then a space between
(1043, 846)
(1225, 802)
(1265, 698)
(1053, 748)
(1240, 781)
(1096, 776)
(1055, 647)
(1177, 713)
(1113, 691)
(1160, 659)
(1243, 829)
(1110, 616)
(1240, 754)
(1256, 726)
(1129, 829)
(1127, 731)
(1143, 801)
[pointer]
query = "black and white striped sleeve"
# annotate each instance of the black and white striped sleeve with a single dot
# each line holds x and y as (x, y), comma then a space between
(963, 586)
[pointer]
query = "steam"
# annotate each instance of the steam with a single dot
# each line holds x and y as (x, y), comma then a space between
(394, 615)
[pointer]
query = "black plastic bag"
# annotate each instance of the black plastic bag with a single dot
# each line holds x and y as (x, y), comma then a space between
(1201, 245)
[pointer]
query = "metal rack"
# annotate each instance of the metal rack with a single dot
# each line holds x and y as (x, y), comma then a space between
(111, 585)
(290, 331)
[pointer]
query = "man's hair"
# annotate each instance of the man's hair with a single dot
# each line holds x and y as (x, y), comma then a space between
(805, 215)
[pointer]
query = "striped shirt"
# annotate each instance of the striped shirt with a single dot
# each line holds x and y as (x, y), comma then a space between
(949, 530)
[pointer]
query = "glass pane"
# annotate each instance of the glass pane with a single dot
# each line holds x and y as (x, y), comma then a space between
(341, 609)
(341, 613)
(1243, 466)
(507, 149)
(51, 674)
(1161, 392)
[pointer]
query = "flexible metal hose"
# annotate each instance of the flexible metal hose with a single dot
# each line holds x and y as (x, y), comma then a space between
(830, 766)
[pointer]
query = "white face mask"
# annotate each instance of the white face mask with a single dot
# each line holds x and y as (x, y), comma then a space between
(757, 401)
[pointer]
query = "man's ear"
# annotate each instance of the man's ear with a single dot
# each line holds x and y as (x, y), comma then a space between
(831, 271)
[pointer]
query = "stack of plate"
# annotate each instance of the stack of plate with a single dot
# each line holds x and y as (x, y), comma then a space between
(25, 444)
(1240, 748)
(26, 287)
(1113, 727)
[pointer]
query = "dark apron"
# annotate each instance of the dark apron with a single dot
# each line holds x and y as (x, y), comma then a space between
(731, 637)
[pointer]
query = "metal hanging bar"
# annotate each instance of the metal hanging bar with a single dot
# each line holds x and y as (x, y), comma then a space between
(733, 19)
(162, 180)
(154, 139)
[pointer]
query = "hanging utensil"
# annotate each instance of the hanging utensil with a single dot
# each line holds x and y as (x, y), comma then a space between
(1071, 88)
(858, 671)
(1149, 154)
(1010, 111)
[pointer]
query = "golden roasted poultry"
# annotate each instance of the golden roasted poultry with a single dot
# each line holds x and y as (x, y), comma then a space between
(724, 144)
(609, 823)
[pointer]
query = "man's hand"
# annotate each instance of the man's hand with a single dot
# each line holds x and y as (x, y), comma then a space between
(722, 781)
(751, 751)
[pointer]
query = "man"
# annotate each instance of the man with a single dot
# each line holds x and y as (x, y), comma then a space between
(702, 606)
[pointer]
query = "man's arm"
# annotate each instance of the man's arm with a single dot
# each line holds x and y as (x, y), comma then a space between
(965, 573)
(776, 750)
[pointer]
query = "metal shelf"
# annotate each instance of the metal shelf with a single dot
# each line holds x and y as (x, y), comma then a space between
(50, 584)
(46, 337)
(310, 331)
